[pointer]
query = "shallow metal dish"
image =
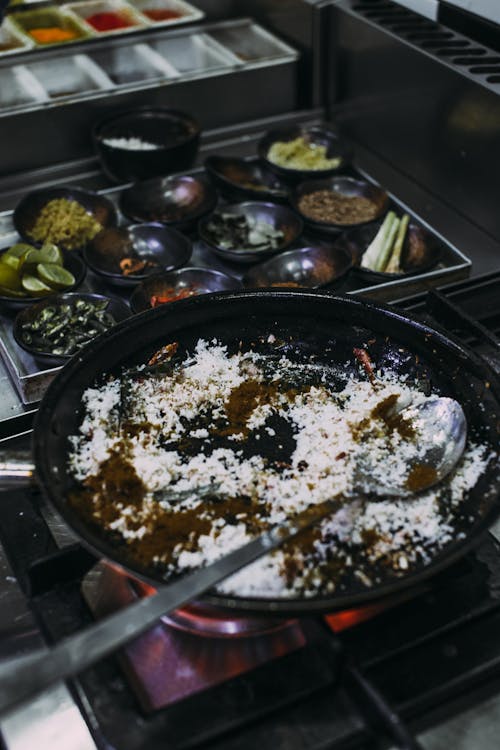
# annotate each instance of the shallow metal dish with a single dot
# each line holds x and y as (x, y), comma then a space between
(174, 201)
(72, 262)
(278, 216)
(117, 307)
(27, 210)
(316, 134)
(198, 280)
(242, 178)
(313, 266)
(164, 246)
(421, 251)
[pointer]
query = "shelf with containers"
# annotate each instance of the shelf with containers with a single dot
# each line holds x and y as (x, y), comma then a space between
(59, 92)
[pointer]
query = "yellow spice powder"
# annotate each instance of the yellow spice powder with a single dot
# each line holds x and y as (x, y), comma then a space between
(64, 222)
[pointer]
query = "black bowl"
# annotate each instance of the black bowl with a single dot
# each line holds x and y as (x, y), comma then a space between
(174, 201)
(176, 134)
(72, 262)
(348, 187)
(278, 216)
(421, 251)
(197, 280)
(313, 266)
(28, 209)
(245, 178)
(317, 135)
(117, 307)
(165, 247)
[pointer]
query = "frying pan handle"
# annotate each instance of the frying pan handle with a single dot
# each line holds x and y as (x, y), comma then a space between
(16, 469)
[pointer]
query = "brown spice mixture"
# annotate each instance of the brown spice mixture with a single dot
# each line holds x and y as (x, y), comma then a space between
(335, 208)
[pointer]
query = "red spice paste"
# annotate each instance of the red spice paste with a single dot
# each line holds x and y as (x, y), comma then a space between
(160, 14)
(108, 21)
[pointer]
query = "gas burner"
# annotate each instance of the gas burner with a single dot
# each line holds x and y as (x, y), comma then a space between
(192, 649)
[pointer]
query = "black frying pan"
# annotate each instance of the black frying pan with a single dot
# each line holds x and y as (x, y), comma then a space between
(303, 324)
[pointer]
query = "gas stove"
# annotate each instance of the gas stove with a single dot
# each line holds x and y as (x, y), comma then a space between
(379, 675)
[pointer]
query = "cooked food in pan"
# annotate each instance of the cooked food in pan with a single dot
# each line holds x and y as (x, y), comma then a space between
(182, 459)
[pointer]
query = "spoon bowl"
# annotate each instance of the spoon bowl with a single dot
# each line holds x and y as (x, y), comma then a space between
(433, 436)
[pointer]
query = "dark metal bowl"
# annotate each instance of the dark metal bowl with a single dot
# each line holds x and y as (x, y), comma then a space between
(166, 247)
(316, 134)
(245, 178)
(345, 186)
(313, 266)
(72, 262)
(421, 251)
(27, 210)
(199, 280)
(117, 307)
(177, 135)
(174, 201)
(279, 216)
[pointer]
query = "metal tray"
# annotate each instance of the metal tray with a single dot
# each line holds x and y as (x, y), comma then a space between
(27, 378)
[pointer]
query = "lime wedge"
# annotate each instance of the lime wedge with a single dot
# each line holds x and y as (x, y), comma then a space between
(12, 261)
(20, 248)
(4, 292)
(50, 253)
(54, 275)
(9, 276)
(35, 287)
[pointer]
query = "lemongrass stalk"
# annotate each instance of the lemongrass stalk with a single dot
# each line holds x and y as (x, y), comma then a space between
(373, 250)
(386, 251)
(395, 260)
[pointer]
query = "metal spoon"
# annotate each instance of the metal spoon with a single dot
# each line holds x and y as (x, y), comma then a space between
(21, 678)
(431, 445)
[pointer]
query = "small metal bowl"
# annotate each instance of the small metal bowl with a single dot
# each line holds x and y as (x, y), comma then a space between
(174, 201)
(421, 251)
(279, 217)
(245, 178)
(348, 187)
(175, 133)
(71, 261)
(313, 266)
(165, 247)
(28, 209)
(198, 280)
(316, 135)
(117, 307)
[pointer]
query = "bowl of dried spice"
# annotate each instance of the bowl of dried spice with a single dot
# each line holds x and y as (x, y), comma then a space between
(125, 256)
(337, 203)
(66, 216)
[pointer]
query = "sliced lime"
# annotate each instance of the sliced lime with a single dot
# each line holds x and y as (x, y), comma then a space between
(12, 261)
(20, 248)
(9, 277)
(50, 253)
(35, 287)
(4, 292)
(54, 275)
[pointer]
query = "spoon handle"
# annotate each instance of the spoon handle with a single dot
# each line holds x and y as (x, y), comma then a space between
(23, 678)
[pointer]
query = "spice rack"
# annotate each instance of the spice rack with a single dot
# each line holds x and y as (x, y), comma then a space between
(88, 19)
(195, 68)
